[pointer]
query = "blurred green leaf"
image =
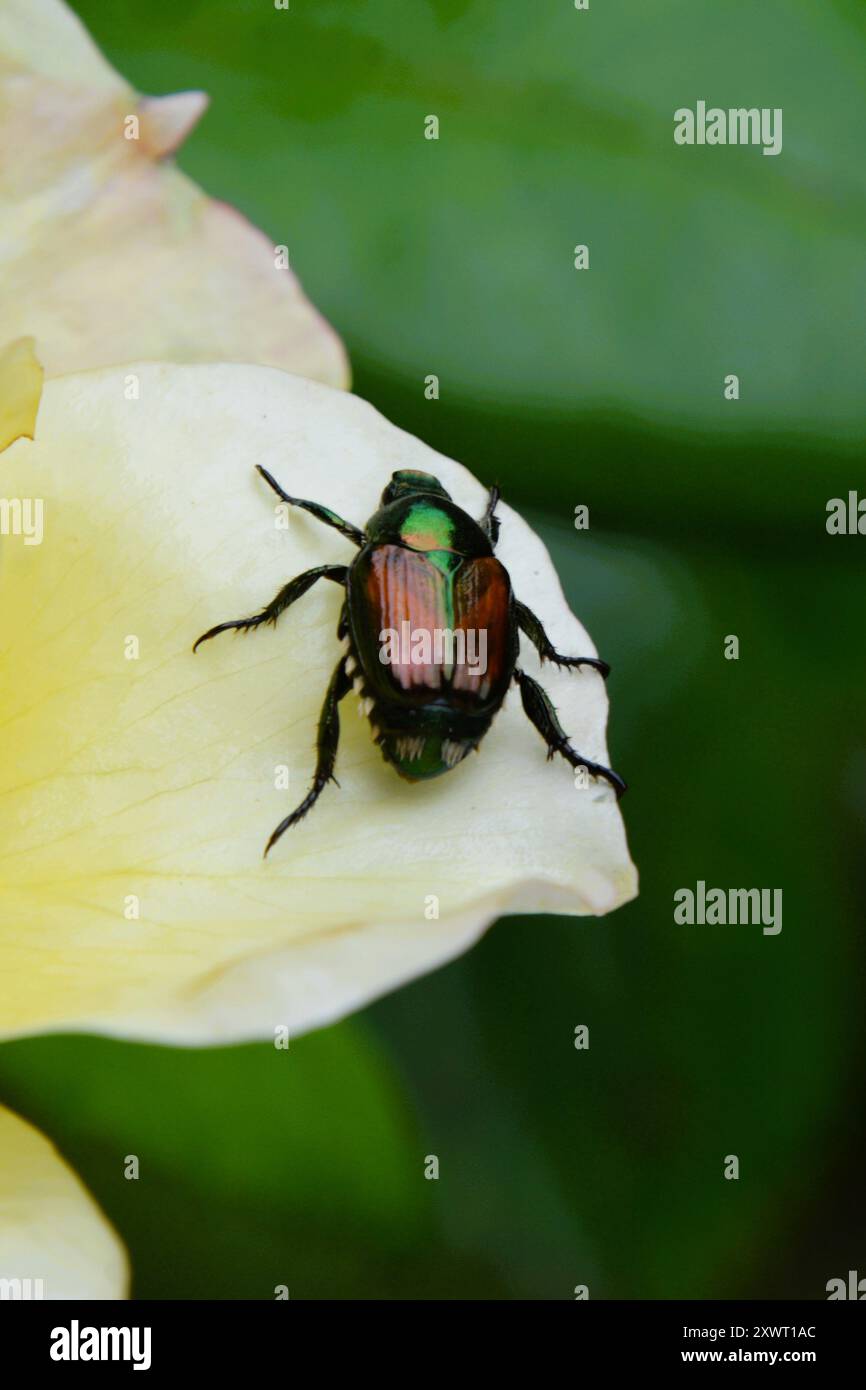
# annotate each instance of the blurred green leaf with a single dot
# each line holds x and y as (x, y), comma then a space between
(704, 1040)
(258, 1166)
(455, 256)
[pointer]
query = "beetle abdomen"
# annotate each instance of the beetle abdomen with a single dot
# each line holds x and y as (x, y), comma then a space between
(432, 634)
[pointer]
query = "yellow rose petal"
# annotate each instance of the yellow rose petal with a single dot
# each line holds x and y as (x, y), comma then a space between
(107, 254)
(20, 391)
(54, 1241)
(139, 783)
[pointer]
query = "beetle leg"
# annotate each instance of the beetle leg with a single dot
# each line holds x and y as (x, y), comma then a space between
(315, 509)
(287, 595)
(490, 522)
(540, 712)
(327, 739)
(531, 626)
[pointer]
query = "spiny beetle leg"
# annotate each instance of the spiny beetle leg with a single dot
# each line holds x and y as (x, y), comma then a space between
(327, 739)
(531, 626)
(287, 595)
(315, 509)
(540, 712)
(490, 522)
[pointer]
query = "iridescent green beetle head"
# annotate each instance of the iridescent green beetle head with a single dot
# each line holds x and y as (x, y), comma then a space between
(407, 483)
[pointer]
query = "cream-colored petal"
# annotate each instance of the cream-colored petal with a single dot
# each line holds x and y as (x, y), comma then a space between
(54, 1241)
(107, 254)
(165, 122)
(20, 390)
(136, 777)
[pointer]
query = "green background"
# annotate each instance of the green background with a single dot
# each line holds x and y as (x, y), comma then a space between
(602, 387)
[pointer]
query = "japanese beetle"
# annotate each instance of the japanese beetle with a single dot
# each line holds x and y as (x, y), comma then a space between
(430, 629)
